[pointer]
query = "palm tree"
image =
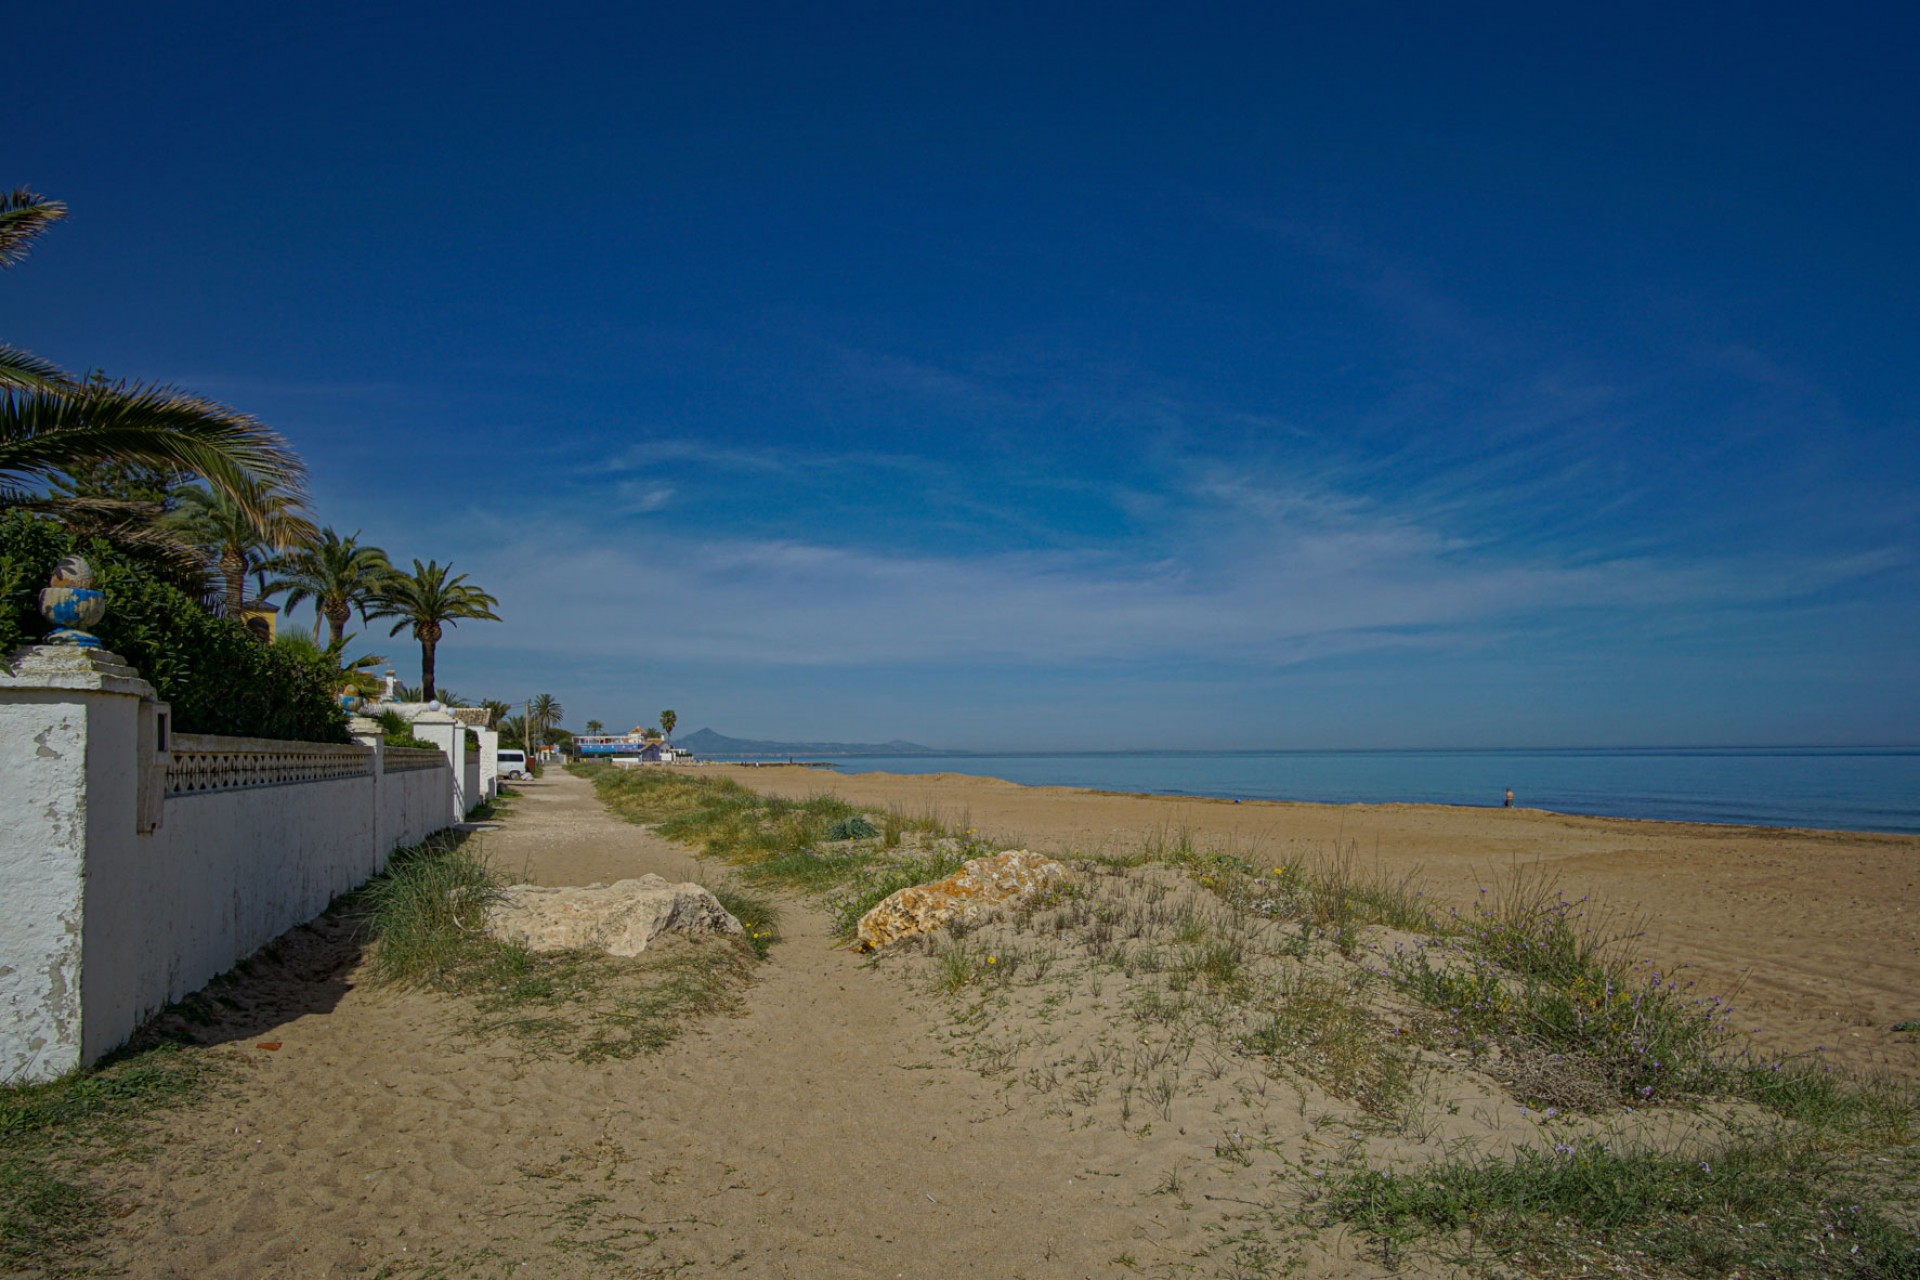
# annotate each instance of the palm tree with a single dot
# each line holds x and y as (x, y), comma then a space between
(667, 721)
(428, 600)
(596, 726)
(337, 574)
(242, 535)
(51, 422)
(547, 714)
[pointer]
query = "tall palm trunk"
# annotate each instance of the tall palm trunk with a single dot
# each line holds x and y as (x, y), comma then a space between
(233, 570)
(339, 613)
(429, 636)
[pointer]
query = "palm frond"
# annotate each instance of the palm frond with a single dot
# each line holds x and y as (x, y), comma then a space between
(23, 216)
(45, 431)
(26, 371)
(132, 527)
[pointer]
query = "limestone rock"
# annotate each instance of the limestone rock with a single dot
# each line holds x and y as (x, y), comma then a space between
(979, 888)
(619, 919)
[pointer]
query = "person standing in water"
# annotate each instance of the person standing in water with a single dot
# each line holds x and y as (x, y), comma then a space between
(1509, 803)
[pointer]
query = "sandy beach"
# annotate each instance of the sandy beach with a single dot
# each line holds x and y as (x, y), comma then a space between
(827, 1130)
(1815, 934)
(852, 1117)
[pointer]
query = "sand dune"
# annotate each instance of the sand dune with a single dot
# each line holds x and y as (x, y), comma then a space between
(1816, 933)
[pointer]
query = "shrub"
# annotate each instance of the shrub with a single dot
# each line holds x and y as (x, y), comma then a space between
(854, 828)
(215, 674)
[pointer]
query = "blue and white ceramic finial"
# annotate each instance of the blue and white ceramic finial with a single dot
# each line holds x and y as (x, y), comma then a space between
(72, 604)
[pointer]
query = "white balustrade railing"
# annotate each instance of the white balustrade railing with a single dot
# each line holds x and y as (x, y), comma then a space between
(401, 759)
(198, 763)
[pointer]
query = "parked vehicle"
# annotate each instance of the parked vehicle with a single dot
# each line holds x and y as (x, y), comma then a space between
(513, 764)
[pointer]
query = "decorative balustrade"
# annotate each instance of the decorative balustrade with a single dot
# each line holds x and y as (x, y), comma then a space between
(401, 759)
(200, 763)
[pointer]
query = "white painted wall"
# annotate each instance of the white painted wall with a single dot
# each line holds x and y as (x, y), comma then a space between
(42, 883)
(449, 738)
(412, 805)
(102, 924)
(489, 763)
(226, 873)
(470, 793)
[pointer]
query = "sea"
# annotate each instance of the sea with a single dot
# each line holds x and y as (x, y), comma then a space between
(1841, 788)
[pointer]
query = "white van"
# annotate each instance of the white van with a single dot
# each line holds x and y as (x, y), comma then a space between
(513, 764)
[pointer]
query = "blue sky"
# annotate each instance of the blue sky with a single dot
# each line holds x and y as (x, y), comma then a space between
(1037, 377)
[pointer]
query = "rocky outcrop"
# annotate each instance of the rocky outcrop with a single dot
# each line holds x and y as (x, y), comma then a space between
(619, 918)
(978, 889)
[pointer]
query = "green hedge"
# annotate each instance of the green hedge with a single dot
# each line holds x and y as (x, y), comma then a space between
(216, 675)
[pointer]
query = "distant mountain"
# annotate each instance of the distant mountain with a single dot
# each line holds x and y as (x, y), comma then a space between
(705, 742)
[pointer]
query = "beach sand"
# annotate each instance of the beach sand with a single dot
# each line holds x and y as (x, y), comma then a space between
(1814, 934)
(851, 1121)
(828, 1130)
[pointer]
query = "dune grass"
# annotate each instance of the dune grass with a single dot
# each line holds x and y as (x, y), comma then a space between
(1548, 993)
(1762, 1204)
(823, 846)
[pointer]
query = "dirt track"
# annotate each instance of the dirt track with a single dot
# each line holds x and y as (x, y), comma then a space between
(824, 1132)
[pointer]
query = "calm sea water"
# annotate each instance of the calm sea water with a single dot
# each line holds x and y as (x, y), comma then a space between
(1840, 788)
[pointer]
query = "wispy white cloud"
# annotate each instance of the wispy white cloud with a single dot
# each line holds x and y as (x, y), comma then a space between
(640, 497)
(1262, 576)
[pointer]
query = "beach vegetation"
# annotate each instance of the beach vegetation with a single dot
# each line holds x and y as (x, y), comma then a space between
(1758, 1204)
(214, 672)
(1537, 973)
(821, 845)
(426, 915)
(1554, 1100)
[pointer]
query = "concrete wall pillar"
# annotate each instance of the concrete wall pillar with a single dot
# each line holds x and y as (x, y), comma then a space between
(82, 772)
(489, 763)
(449, 735)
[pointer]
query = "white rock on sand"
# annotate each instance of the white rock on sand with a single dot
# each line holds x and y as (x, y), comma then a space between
(980, 887)
(619, 919)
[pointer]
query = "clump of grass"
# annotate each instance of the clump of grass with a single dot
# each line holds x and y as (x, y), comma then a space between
(1537, 972)
(1838, 1109)
(1757, 1206)
(427, 915)
(1324, 1030)
(51, 1132)
(757, 913)
(955, 966)
(1334, 896)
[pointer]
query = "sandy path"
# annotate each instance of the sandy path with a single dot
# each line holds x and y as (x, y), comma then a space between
(824, 1132)
(1817, 931)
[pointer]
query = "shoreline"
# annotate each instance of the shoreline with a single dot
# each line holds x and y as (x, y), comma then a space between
(1854, 789)
(1814, 932)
